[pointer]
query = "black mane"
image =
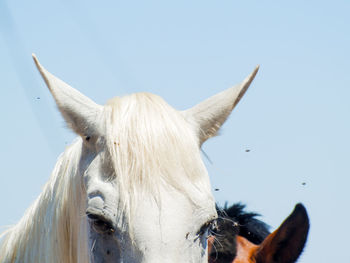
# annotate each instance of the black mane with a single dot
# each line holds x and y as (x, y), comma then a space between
(249, 226)
(233, 221)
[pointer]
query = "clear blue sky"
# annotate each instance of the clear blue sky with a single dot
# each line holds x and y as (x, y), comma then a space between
(294, 118)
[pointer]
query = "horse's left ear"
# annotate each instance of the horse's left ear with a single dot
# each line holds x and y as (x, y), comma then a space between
(286, 243)
(208, 116)
(79, 111)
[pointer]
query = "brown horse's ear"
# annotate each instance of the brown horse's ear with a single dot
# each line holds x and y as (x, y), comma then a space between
(286, 243)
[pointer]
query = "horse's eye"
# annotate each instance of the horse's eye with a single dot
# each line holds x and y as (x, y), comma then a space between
(209, 226)
(100, 224)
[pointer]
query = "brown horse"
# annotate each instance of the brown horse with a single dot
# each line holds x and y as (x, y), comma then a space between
(241, 238)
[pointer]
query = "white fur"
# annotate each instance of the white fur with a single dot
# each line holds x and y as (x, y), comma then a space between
(137, 165)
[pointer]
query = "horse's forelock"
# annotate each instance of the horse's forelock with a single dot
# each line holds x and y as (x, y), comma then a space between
(150, 144)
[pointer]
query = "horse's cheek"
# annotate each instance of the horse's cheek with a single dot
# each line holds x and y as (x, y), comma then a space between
(105, 248)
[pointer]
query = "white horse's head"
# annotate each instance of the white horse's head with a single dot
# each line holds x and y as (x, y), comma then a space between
(148, 195)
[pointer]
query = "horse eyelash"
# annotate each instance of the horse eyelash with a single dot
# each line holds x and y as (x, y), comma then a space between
(206, 226)
(234, 223)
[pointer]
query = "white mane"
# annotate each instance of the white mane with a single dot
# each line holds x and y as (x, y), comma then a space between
(52, 230)
(148, 144)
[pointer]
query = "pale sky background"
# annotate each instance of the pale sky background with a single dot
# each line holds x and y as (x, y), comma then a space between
(294, 119)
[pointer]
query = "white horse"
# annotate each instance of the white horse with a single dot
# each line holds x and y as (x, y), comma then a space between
(131, 188)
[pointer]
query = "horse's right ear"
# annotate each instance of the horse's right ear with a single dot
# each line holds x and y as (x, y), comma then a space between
(208, 116)
(286, 243)
(78, 110)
